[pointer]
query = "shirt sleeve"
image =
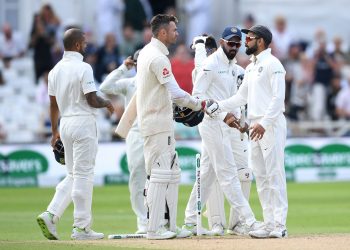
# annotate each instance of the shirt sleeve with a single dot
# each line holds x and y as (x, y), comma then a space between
(237, 100)
(277, 76)
(202, 84)
(51, 88)
(161, 67)
(87, 81)
(114, 84)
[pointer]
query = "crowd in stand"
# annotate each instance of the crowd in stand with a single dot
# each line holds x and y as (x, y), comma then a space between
(318, 71)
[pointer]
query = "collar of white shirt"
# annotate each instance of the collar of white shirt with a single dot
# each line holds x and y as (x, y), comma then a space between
(262, 55)
(155, 42)
(223, 57)
(73, 55)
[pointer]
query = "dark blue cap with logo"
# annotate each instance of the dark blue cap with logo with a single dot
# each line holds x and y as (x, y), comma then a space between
(230, 32)
(261, 31)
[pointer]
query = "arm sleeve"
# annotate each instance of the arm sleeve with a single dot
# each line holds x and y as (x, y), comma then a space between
(239, 99)
(161, 67)
(113, 84)
(51, 87)
(203, 81)
(199, 56)
(87, 81)
(181, 97)
(277, 76)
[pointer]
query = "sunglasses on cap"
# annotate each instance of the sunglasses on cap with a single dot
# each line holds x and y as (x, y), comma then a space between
(232, 43)
(250, 38)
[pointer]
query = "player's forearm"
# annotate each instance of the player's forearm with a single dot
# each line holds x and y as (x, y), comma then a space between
(181, 97)
(96, 101)
(54, 115)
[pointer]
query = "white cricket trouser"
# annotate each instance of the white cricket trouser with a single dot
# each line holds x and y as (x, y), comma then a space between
(215, 203)
(137, 178)
(267, 158)
(216, 146)
(79, 137)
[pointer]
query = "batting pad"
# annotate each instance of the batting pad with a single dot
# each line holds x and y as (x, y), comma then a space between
(159, 180)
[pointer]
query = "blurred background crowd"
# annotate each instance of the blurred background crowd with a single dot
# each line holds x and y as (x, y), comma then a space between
(317, 81)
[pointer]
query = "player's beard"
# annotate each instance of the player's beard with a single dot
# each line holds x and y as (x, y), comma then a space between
(251, 50)
(230, 54)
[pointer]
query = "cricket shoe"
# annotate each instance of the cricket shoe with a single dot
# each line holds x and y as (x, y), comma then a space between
(162, 234)
(279, 232)
(260, 233)
(239, 229)
(86, 234)
(47, 223)
(217, 230)
(183, 233)
(193, 229)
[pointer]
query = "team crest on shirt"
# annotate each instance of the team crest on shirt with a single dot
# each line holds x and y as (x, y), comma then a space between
(260, 69)
(233, 73)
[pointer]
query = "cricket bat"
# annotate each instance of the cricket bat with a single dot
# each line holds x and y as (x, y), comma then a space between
(242, 120)
(126, 236)
(127, 119)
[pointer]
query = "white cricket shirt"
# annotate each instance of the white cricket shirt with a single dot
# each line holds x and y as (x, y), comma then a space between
(218, 78)
(263, 88)
(154, 105)
(69, 81)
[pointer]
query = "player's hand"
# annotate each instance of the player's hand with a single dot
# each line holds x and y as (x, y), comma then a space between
(198, 39)
(211, 108)
(232, 121)
(257, 132)
(54, 138)
(110, 108)
(128, 62)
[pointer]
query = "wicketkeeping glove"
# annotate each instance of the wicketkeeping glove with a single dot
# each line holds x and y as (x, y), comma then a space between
(212, 108)
(59, 152)
(198, 39)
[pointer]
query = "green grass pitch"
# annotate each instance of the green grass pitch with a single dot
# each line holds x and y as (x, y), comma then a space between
(317, 208)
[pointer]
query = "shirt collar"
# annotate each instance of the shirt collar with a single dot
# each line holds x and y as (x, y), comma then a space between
(73, 55)
(157, 43)
(262, 55)
(224, 58)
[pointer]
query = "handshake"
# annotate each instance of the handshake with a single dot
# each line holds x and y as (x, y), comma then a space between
(211, 108)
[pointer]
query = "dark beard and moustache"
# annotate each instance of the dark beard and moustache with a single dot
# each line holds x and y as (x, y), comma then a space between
(251, 50)
(228, 54)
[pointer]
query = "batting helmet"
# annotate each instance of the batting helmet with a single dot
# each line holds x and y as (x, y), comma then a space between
(187, 116)
(59, 152)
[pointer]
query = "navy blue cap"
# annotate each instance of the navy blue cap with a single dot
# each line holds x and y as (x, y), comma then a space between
(230, 32)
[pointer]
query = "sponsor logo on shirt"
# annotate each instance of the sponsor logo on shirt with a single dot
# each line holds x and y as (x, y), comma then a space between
(278, 72)
(223, 71)
(91, 82)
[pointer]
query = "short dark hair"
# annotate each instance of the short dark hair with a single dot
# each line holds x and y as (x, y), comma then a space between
(210, 43)
(161, 20)
(71, 37)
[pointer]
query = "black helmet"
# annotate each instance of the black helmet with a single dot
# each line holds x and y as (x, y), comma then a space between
(187, 116)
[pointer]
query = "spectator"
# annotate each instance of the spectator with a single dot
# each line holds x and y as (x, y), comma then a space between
(2, 81)
(146, 37)
(90, 56)
(198, 16)
(298, 81)
(282, 38)
(51, 22)
(109, 16)
(160, 7)
(342, 103)
(136, 14)
(331, 98)
(108, 58)
(182, 65)
(41, 44)
(323, 68)
(11, 43)
(127, 47)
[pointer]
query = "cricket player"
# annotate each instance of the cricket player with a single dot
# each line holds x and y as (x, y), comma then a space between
(72, 94)
(116, 83)
(218, 80)
(263, 88)
(204, 46)
(156, 90)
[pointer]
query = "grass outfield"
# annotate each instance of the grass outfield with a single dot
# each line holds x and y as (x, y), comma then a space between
(320, 208)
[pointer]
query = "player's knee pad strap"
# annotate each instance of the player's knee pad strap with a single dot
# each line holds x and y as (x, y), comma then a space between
(245, 174)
